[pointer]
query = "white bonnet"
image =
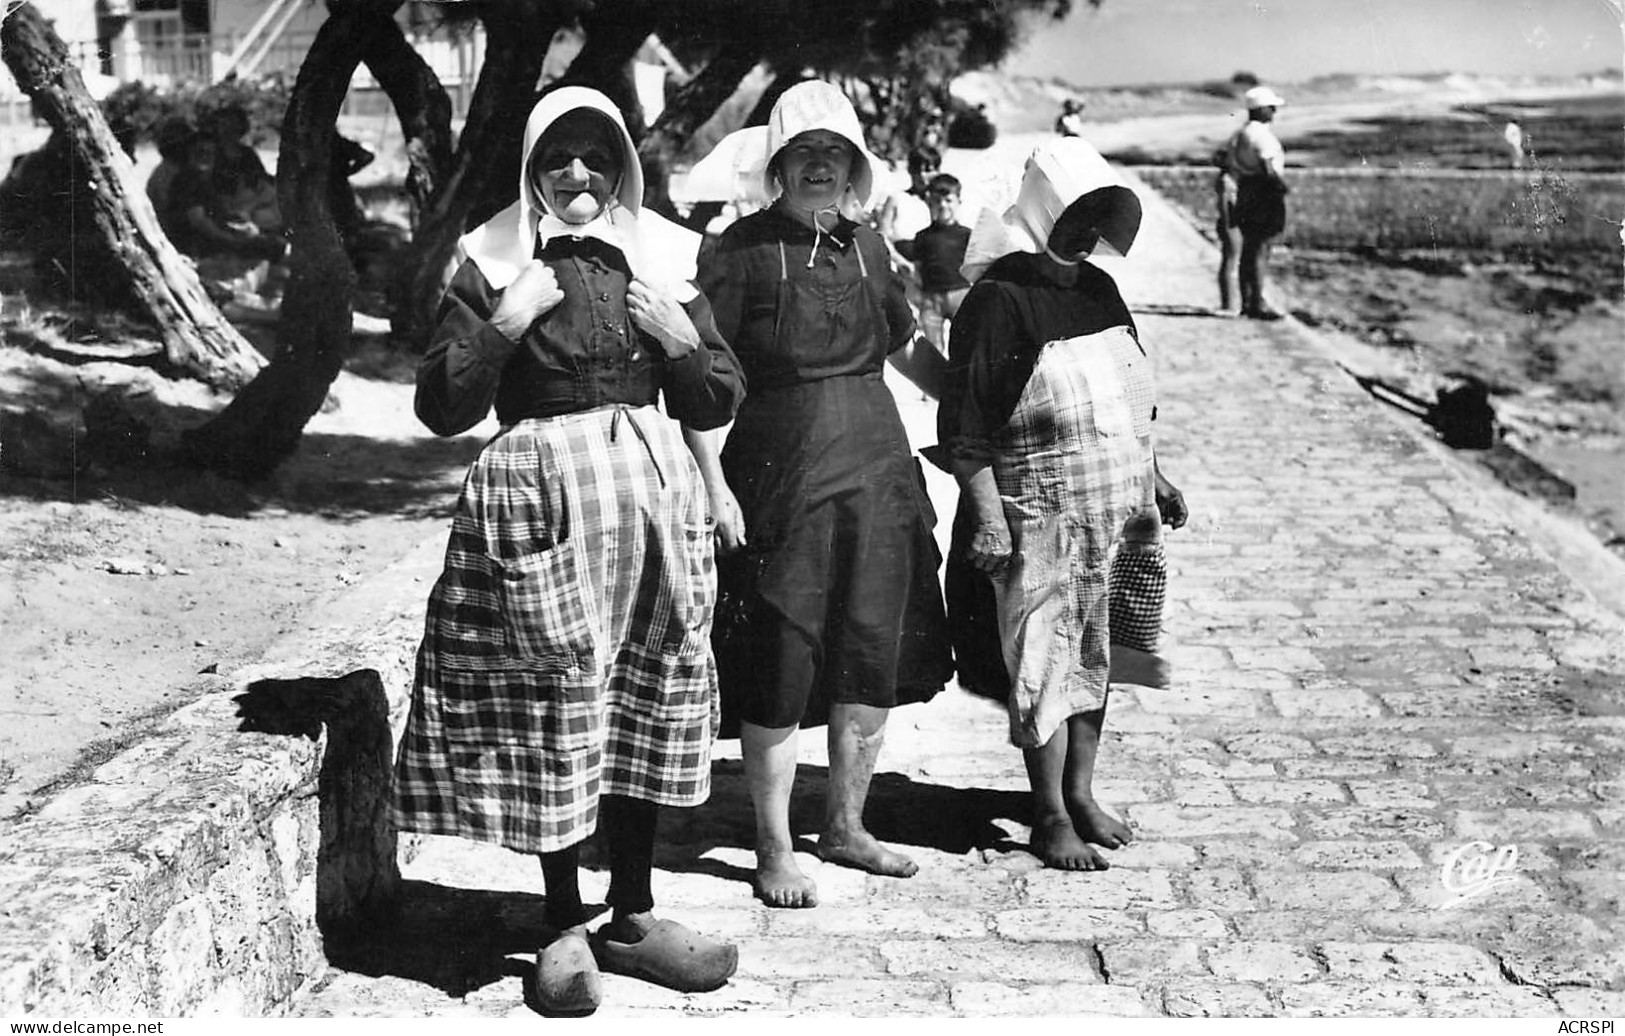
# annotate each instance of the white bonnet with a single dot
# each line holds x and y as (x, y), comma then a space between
(1066, 184)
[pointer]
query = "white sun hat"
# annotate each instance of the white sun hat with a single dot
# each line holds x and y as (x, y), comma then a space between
(1071, 203)
(738, 168)
(1262, 97)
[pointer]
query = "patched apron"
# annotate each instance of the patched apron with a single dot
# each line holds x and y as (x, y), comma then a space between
(1074, 469)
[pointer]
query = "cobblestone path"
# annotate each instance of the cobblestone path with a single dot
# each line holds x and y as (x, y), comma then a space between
(1377, 673)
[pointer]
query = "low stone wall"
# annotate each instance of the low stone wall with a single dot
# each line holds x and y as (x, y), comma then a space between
(200, 871)
(1528, 210)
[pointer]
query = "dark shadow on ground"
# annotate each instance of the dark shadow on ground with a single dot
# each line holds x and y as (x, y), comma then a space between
(410, 479)
(1167, 310)
(372, 921)
(357, 871)
(455, 939)
(338, 477)
(91, 434)
(901, 811)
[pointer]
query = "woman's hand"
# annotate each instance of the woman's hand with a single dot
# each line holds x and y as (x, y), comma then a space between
(1171, 503)
(658, 313)
(990, 546)
(535, 291)
(730, 527)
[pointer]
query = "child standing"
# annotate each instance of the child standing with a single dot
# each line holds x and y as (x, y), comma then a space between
(937, 252)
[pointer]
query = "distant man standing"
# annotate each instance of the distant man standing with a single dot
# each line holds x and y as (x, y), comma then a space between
(1513, 135)
(1257, 161)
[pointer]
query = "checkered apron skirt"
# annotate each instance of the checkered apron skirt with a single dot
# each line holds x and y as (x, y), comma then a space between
(1074, 470)
(566, 653)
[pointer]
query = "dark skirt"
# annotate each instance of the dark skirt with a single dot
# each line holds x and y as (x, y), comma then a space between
(1260, 207)
(835, 598)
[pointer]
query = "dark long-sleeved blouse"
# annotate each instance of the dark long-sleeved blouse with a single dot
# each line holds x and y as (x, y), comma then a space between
(1019, 304)
(584, 353)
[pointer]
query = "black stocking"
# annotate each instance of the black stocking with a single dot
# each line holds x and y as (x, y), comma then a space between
(628, 827)
(561, 878)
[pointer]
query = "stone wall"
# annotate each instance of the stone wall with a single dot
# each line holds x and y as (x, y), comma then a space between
(199, 871)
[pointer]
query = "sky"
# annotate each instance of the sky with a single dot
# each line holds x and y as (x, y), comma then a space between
(1162, 41)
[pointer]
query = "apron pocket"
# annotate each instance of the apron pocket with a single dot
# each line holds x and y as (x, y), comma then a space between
(548, 613)
(695, 598)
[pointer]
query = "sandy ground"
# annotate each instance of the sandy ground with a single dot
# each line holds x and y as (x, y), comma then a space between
(127, 591)
(123, 593)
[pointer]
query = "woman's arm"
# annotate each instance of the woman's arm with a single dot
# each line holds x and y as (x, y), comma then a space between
(920, 362)
(1170, 501)
(476, 333)
(707, 449)
(980, 329)
(704, 384)
(990, 544)
(910, 352)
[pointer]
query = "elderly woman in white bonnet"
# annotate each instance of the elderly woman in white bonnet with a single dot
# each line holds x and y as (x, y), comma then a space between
(831, 608)
(565, 681)
(1056, 573)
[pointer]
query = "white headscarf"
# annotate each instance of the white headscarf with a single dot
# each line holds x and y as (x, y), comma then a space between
(738, 169)
(1059, 174)
(657, 250)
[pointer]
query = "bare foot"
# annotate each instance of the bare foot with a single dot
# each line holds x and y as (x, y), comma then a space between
(1056, 843)
(780, 883)
(862, 850)
(1094, 824)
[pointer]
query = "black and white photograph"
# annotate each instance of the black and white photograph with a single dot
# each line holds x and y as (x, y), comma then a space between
(762, 511)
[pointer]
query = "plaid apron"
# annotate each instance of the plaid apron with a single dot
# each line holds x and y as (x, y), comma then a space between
(1074, 469)
(566, 653)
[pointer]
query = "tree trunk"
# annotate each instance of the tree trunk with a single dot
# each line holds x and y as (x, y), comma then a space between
(614, 35)
(422, 105)
(197, 339)
(686, 112)
(263, 425)
(485, 168)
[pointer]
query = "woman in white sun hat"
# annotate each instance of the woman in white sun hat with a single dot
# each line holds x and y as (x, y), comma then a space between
(565, 681)
(830, 603)
(1258, 163)
(1056, 573)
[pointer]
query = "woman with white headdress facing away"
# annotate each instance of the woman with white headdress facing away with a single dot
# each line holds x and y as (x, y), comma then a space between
(565, 682)
(831, 607)
(1056, 572)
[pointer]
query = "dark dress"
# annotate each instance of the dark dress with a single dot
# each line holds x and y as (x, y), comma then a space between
(835, 598)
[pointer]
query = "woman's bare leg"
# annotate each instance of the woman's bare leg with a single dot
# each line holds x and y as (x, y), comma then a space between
(856, 733)
(1092, 823)
(1055, 838)
(770, 774)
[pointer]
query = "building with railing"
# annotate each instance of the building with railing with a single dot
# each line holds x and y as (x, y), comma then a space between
(169, 42)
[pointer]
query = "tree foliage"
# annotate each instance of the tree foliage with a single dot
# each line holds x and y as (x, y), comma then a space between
(894, 58)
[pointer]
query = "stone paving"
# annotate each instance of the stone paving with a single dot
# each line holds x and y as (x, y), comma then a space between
(1377, 673)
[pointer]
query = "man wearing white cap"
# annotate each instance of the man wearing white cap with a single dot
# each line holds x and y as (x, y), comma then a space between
(1258, 161)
